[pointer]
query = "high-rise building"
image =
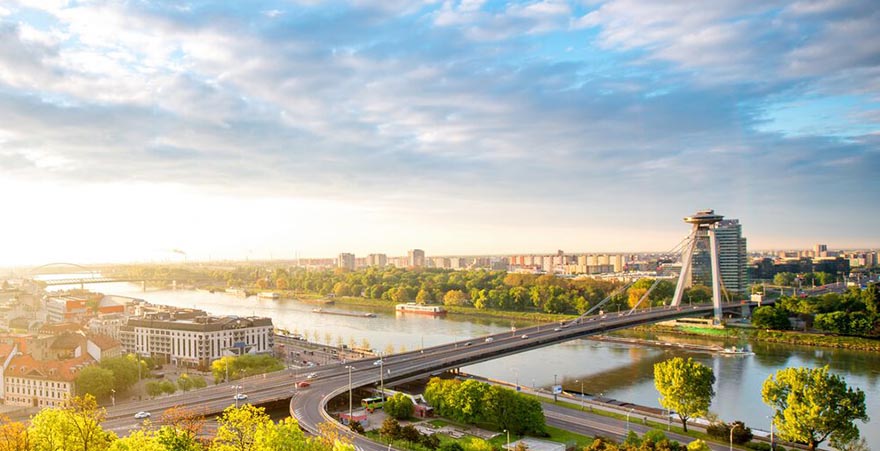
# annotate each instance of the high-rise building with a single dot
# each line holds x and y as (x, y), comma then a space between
(379, 260)
(345, 261)
(820, 250)
(732, 258)
(416, 258)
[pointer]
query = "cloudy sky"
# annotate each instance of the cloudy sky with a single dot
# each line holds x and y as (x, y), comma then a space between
(267, 128)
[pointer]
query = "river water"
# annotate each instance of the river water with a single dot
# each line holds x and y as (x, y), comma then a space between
(619, 371)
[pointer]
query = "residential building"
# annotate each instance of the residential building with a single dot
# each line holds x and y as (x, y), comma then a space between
(345, 261)
(63, 308)
(416, 258)
(196, 342)
(380, 260)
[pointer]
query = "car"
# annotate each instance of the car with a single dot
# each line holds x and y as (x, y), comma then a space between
(303, 384)
(239, 397)
(489, 339)
(142, 415)
(467, 344)
(557, 329)
(377, 362)
(312, 375)
(524, 336)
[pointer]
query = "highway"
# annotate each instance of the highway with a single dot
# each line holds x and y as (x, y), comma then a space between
(307, 405)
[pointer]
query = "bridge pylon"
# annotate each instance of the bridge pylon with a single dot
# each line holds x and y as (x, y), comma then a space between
(704, 223)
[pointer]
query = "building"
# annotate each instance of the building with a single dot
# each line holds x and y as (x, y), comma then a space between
(64, 308)
(732, 258)
(380, 260)
(196, 342)
(416, 258)
(345, 261)
(41, 383)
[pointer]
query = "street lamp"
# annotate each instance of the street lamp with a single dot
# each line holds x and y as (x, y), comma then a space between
(382, 376)
(349, 395)
(554, 389)
(113, 397)
(732, 428)
(627, 420)
(508, 439)
(237, 392)
(772, 438)
(582, 392)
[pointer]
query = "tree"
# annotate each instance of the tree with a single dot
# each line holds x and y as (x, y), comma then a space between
(185, 383)
(74, 426)
(95, 381)
(454, 297)
(390, 429)
(398, 406)
(810, 405)
(685, 386)
(138, 440)
(13, 435)
(154, 389)
(698, 445)
(238, 428)
(769, 317)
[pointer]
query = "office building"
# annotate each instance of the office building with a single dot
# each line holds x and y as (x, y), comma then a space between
(380, 260)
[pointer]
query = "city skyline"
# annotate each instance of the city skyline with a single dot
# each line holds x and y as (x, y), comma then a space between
(270, 129)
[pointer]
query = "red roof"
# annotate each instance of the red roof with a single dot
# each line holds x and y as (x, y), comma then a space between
(58, 370)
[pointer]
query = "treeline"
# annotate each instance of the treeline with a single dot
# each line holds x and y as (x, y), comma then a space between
(76, 426)
(476, 402)
(855, 312)
(480, 289)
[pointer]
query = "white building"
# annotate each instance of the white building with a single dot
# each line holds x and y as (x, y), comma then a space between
(196, 342)
(41, 383)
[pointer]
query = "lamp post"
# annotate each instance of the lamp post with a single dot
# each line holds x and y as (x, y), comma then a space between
(554, 389)
(732, 428)
(113, 397)
(627, 420)
(772, 438)
(350, 408)
(382, 376)
(582, 392)
(237, 392)
(508, 439)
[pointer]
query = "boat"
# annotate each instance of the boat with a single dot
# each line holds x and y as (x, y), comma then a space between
(269, 295)
(354, 314)
(734, 351)
(420, 309)
(237, 292)
(317, 301)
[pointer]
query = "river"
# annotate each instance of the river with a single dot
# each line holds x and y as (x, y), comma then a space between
(619, 371)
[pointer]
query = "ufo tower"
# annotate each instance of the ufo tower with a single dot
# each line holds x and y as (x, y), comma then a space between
(704, 222)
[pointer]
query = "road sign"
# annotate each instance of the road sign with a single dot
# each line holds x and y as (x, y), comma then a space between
(557, 389)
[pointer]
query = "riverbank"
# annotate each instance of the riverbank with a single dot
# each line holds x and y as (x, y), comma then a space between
(771, 336)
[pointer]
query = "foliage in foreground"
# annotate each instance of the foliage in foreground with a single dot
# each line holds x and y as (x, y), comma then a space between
(76, 426)
(811, 405)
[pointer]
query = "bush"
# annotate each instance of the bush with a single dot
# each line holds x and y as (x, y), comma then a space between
(356, 427)
(721, 431)
(450, 446)
(430, 441)
(390, 429)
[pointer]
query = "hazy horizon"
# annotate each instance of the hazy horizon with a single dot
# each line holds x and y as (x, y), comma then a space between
(257, 129)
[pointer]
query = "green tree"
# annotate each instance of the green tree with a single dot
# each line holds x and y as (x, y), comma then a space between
(138, 440)
(685, 386)
(237, 428)
(769, 317)
(95, 381)
(698, 445)
(390, 429)
(74, 426)
(154, 389)
(125, 370)
(168, 387)
(398, 406)
(185, 383)
(785, 279)
(454, 297)
(810, 405)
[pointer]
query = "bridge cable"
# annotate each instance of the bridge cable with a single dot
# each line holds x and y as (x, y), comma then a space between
(645, 296)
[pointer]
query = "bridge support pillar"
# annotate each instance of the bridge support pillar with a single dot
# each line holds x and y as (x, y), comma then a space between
(716, 274)
(144, 286)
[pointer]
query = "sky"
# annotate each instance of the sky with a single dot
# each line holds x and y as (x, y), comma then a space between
(270, 129)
